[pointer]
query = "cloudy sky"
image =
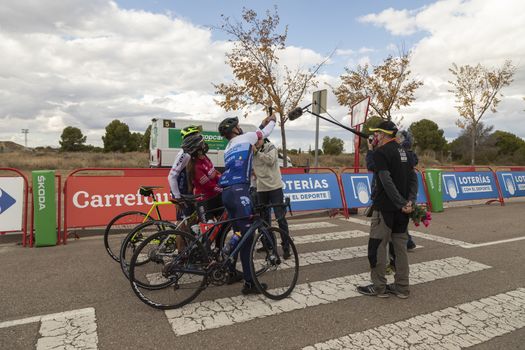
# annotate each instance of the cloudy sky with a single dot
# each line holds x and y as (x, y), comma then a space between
(84, 63)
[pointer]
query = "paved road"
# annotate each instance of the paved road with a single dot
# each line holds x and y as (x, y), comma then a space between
(468, 291)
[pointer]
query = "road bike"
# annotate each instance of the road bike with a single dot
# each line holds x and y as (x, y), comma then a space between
(176, 275)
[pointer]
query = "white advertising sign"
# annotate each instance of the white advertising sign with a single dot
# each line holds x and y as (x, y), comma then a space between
(11, 203)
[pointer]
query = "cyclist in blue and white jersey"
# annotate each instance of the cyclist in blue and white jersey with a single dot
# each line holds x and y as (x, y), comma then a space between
(235, 181)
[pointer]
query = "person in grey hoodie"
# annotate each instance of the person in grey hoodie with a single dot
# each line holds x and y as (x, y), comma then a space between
(269, 186)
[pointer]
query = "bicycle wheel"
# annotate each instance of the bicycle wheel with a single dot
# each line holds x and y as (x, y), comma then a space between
(117, 227)
(173, 274)
(137, 236)
(268, 266)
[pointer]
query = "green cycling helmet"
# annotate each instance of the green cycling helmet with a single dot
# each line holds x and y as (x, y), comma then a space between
(190, 130)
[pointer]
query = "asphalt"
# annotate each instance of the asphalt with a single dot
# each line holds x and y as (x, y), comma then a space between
(41, 281)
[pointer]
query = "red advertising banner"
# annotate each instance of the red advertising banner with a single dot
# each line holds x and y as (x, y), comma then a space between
(95, 200)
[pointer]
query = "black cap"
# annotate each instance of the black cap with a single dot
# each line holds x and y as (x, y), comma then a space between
(387, 126)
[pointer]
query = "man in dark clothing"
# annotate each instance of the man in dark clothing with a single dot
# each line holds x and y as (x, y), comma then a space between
(404, 138)
(394, 196)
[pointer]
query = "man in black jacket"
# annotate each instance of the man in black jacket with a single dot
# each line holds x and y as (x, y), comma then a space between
(395, 195)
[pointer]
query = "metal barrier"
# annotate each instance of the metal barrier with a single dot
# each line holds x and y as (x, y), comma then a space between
(471, 185)
(513, 181)
(306, 185)
(93, 199)
(25, 204)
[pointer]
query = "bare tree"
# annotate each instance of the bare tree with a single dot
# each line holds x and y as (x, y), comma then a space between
(259, 79)
(477, 89)
(388, 85)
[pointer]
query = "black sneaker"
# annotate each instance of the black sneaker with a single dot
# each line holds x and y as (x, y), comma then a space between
(371, 291)
(286, 253)
(391, 289)
(234, 277)
(411, 246)
(249, 288)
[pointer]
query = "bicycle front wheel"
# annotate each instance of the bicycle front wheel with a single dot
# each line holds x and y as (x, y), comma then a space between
(118, 227)
(273, 276)
(174, 272)
(137, 236)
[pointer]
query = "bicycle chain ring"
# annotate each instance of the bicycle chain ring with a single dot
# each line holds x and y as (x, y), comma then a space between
(217, 275)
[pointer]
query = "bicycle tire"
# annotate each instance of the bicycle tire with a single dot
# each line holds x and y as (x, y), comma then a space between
(123, 221)
(138, 235)
(268, 266)
(193, 259)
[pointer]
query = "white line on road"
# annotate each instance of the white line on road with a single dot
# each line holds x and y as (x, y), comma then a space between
(75, 329)
(331, 236)
(444, 240)
(228, 311)
(455, 327)
(311, 225)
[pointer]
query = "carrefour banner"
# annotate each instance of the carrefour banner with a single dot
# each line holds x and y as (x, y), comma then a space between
(358, 188)
(512, 183)
(312, 191)
(460, 186)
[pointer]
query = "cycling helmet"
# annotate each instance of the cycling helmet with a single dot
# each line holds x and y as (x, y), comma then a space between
(189, 130)
(227, 125)
(405, 139)
(193, 143)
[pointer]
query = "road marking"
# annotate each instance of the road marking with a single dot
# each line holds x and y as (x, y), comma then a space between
(228, 311)
(331, 236)
(305, 259)
(455, 327)
(444, 240)
(75, 329)
(471, 245)
(428, 236)
(311, 225)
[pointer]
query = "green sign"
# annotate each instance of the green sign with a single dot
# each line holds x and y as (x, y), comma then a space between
(44, 207)
(214, 140)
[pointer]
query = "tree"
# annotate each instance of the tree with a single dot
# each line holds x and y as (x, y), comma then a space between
(365, 128)
(477, 89)
(427, 135)
(460, 146)
(117, 137)
(388, 85)
(259, 78)
(333, 145)
(506, 142)
(72, 139)
(146, 138)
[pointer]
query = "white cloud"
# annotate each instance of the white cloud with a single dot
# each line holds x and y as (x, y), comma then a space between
(344, 52)
(462, 32)
(85, 63)
(399, 22)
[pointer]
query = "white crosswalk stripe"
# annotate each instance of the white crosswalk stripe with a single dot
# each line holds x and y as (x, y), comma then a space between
(228, 311)
(75, 329)
(457, 327)
(428, 236)
(331, 236)
(310, 226)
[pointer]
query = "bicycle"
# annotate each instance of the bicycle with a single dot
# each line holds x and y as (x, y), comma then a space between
(142, 231)
(178, 276)
(124, 222)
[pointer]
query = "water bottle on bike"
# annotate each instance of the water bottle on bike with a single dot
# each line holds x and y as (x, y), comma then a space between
(230, 246)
